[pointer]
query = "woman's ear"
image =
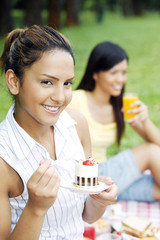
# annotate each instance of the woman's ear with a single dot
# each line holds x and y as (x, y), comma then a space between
(12, 82)
(95, 77)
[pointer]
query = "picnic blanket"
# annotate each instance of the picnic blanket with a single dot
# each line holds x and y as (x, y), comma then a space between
(147, 210)
(115, 213)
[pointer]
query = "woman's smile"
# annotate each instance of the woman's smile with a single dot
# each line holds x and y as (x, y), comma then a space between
(51, 109)
(117, 87)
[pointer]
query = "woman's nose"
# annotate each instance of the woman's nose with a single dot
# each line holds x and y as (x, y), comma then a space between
(120, 78)
(58, 95)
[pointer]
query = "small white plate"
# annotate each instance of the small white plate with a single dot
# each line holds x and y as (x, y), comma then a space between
(85, 190)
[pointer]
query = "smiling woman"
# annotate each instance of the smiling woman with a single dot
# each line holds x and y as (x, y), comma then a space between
(99, 98)
(45, 92)
(39, 68)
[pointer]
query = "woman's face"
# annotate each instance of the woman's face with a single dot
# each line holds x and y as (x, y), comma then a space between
(112, 81)
(46, 89)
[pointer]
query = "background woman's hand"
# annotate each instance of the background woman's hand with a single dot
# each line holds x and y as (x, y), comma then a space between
(107, 196)
(43, 188)
(141, 113)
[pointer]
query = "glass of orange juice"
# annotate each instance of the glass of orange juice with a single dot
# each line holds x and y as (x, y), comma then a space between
(128, 99)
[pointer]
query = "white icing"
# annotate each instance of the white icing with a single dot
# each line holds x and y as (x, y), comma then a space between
(86, 171)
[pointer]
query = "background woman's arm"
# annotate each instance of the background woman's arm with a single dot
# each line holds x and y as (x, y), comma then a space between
(148, 131)
(143, 125)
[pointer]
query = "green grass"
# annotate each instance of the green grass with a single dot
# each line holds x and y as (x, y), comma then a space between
(139, 36)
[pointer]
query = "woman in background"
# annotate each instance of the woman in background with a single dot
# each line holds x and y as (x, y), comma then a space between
(99, 98)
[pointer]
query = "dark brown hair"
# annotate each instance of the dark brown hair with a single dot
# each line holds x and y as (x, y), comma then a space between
(23, 47)
(103, 57)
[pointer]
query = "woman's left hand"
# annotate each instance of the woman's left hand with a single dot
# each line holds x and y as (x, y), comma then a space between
(107, 196)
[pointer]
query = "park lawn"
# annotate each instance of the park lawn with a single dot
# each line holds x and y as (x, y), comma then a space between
(139, 36)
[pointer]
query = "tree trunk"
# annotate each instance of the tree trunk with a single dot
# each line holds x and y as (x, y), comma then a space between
(6, 23)
(33, 12)
(54, 18)
(100, 8)
(127, 8)
(72, 7)
(137, 7)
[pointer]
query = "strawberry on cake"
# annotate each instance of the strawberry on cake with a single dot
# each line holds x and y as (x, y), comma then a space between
(86, 173)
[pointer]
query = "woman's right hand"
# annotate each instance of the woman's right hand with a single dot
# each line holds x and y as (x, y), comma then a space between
(43, 188)
(141, 113)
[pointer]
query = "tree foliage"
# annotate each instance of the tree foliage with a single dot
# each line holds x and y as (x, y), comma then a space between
(56, 8)
(33, 12)
(6, 23)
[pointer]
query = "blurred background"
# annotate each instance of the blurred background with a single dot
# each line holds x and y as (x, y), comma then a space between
(60, 13)
(133, 24)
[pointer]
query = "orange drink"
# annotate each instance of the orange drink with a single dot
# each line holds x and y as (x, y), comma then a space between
(128, 99)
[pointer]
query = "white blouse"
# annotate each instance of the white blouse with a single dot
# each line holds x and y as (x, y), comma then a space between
(64, 219)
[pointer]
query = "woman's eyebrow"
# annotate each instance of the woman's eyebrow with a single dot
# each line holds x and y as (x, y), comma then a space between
(50, 76)
(55, 78)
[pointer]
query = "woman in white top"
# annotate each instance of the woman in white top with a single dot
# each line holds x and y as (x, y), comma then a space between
(39, 66)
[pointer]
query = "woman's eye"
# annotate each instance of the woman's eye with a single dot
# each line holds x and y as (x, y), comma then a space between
(113, 72)
(68, 83)
(47, 82)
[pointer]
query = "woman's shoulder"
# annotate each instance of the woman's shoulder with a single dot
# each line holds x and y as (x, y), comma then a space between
(3, 131)
(81, 127)
(5, 125)
(76, 115)
(4, 144)
(71, 118)
(80, 120)
(78, 100)
(78, 94)
(5, 176)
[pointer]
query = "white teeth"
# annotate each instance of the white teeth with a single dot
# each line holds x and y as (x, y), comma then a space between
(117, 87)
(51, 108)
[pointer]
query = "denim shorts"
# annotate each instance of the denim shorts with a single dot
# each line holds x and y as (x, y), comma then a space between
(132, 184)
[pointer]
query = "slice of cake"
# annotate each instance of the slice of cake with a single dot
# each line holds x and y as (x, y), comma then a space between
(86, 173)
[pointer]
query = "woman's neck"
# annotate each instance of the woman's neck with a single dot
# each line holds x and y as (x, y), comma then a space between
(99, 97)
(100, 107)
